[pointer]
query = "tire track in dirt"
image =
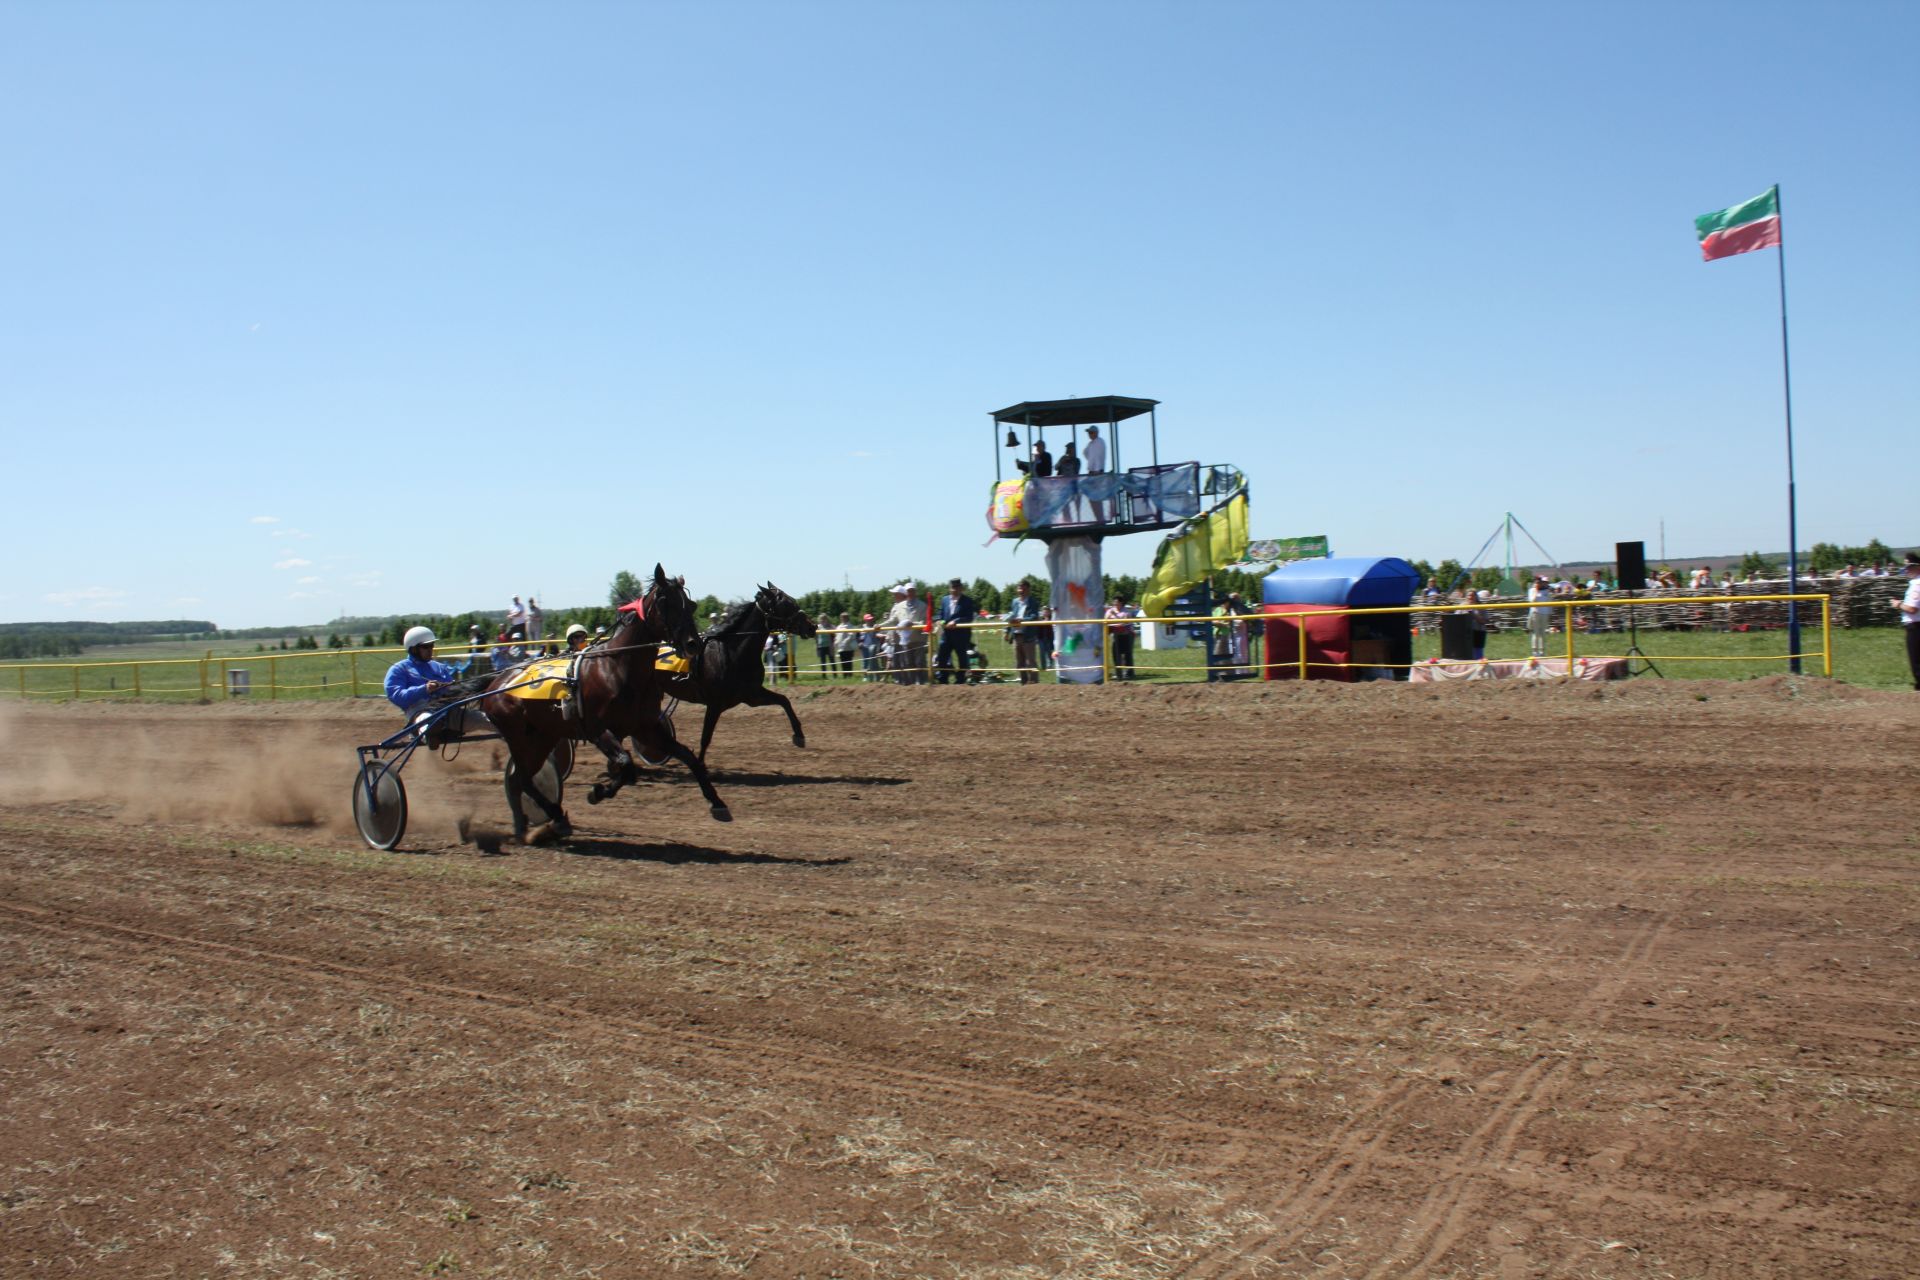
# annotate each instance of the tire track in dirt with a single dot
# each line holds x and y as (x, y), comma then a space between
(1300, 1211)
(1068, 1112)
(1442, 1218)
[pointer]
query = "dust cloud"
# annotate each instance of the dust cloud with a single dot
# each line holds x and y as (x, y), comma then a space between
(272, 774)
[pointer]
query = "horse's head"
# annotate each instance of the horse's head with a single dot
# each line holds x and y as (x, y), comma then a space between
(783, 612)
(663, 614)
(671, 609)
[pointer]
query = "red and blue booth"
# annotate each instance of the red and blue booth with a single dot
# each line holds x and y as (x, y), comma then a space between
(1340, 645)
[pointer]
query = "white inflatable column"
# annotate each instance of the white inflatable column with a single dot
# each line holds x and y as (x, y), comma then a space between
(1073, 566)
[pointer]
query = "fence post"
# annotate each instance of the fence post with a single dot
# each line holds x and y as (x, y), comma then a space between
(203, 679)
(1826, 633)
(273, 679)
(1300, 625)
(136, 681)
(353, 665)
(76, 683)
(1567, 623)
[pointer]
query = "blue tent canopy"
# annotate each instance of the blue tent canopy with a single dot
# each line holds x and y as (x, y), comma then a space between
(1355, 581)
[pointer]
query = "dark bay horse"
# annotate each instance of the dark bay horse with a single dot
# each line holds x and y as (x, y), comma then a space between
(728, 668)
(619, 695)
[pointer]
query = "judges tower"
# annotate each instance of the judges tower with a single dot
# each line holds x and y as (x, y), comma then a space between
(1074, 512)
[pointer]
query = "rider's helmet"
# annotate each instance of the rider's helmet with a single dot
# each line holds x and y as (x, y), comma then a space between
(576, 630)
(417, 636)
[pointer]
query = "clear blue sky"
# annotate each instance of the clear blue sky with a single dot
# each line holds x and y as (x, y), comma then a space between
(375, 308)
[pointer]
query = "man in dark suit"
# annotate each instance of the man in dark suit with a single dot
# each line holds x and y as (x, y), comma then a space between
(957, 612)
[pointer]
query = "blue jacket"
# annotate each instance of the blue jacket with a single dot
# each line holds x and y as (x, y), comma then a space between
(407, 680)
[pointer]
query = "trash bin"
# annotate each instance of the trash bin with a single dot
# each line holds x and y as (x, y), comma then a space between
(239, 682)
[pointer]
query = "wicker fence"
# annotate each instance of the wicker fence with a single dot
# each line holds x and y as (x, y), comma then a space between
(1857, 602)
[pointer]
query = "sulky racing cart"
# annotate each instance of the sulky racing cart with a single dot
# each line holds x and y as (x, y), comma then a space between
(380, 797)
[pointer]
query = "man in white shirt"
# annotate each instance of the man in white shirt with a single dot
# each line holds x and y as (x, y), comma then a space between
(1093, 460)
(906, 622)
(1909, 608)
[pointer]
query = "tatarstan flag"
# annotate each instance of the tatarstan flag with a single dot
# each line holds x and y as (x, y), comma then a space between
(1741, 229)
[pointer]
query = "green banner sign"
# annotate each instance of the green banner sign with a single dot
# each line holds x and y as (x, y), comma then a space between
(1284, 549)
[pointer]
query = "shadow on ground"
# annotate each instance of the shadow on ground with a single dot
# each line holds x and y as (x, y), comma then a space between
(674, 853)
(723, 777)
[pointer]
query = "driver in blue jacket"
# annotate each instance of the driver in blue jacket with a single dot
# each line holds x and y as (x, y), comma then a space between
(417, 677)
(420, 687)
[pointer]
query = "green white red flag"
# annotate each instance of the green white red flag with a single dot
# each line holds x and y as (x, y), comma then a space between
(1741, 229)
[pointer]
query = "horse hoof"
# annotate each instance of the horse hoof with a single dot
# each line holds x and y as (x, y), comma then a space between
(596, 793)
(721, 813)
(547, 835)
(800, 740)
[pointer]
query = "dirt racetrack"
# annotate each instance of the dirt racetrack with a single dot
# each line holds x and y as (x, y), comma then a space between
(1504, 981)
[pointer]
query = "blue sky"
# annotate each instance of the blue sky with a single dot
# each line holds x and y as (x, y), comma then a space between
(377, 308)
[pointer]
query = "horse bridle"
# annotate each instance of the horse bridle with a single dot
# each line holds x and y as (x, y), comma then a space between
(647, 601)
(709, 636)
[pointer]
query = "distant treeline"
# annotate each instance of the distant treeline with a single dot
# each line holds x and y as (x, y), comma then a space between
(65, 639)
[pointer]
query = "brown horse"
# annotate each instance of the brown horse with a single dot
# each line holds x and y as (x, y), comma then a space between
(618, 696)
(728, 669)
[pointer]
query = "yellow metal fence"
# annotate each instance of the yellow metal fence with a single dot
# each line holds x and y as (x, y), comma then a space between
(1577, 626)
(1572, 620)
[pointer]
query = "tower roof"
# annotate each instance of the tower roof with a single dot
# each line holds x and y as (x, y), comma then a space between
(1071, 413)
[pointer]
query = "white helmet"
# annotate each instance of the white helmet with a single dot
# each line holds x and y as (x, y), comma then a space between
(417, 636)
(575, 630)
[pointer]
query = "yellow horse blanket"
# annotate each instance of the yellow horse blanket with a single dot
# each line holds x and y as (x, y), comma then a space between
(552, 679)
(548, 680)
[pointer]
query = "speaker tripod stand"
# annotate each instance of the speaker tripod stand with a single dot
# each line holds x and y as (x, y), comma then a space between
(1633, 642)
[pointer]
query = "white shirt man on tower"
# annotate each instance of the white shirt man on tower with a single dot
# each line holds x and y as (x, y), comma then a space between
(1094, 461)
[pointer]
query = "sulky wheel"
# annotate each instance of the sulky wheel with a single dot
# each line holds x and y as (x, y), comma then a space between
(549, 778)
(379, 805)
(561, 761)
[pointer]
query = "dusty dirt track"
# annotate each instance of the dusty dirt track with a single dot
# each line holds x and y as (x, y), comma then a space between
(1465, 981)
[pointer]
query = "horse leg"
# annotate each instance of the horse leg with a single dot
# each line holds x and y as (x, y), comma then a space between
(706, 728)
(558, 825)
(666, 743)
(765, 697)
(620, 769)
(513, 803)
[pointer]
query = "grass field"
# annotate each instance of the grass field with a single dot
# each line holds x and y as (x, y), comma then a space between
(178, 671)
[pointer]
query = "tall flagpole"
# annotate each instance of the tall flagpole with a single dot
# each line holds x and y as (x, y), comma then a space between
(1793, 531)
